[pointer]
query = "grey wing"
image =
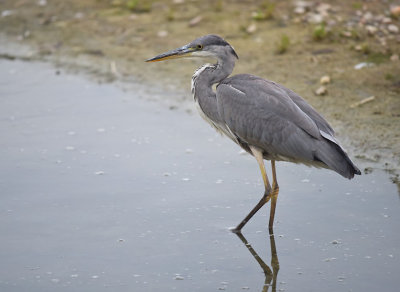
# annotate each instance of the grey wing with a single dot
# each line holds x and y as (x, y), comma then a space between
(323, 126)
(263, 115)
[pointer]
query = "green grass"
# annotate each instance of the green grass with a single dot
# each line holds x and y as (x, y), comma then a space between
(377, 58)
(171, 14)
(265, 12)
(365, 49)
(218, 6)
(283, 45)
(319, 33)
(357, 5)
(139, 6)
(389, 77)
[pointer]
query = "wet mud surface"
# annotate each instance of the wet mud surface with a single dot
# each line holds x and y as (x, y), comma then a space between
(103, 190)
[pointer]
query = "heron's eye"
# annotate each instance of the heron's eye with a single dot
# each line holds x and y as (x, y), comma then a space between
(199, 47)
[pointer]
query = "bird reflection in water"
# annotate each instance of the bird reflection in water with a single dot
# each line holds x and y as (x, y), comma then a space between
(271, 275)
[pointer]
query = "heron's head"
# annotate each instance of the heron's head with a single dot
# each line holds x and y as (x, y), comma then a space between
(205, 46)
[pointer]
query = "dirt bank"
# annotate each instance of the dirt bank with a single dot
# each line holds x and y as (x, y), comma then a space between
(292, 43)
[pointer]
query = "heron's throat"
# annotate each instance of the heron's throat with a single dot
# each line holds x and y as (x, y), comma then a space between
(211, 74)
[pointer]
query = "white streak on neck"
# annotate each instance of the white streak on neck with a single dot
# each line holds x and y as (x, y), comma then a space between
(196, 74)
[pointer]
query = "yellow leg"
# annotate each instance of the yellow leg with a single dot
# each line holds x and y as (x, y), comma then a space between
(260, 159)
(274, 181)
(268, 190)
(274, 197)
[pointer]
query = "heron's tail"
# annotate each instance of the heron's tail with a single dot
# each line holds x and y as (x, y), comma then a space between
(336, 159)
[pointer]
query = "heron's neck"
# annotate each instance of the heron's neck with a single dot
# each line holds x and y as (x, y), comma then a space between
(211, 74)
(202, 90)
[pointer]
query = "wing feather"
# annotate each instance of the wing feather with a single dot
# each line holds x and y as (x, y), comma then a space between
(264, 115)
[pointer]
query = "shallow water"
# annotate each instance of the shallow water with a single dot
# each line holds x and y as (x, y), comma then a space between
(104, 191)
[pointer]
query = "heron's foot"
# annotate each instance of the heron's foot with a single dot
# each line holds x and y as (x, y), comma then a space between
(266, 197)
(236, 230)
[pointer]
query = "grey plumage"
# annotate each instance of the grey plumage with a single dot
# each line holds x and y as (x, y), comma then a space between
(265, 118)
(281, 124)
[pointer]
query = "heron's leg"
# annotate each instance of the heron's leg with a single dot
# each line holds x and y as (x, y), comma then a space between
(267, 194)
(274, 196)
(260, 160)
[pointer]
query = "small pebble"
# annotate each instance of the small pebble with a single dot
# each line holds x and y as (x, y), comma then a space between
(251, 28)
(195, 21)
(362, 65)
(79, 15)
(299, 10)
(323, 8)
(6, 13)
(393, 28)
(347, 34)
(315, 18)
(321, 91)
(371, 29)
(325, 80)
(162, 33)
(394, 58)
(395, 11)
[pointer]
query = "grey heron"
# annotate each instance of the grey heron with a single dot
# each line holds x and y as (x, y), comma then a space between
(266, 119)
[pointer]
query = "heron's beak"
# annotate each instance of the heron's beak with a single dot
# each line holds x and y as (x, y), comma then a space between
(181, 52)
